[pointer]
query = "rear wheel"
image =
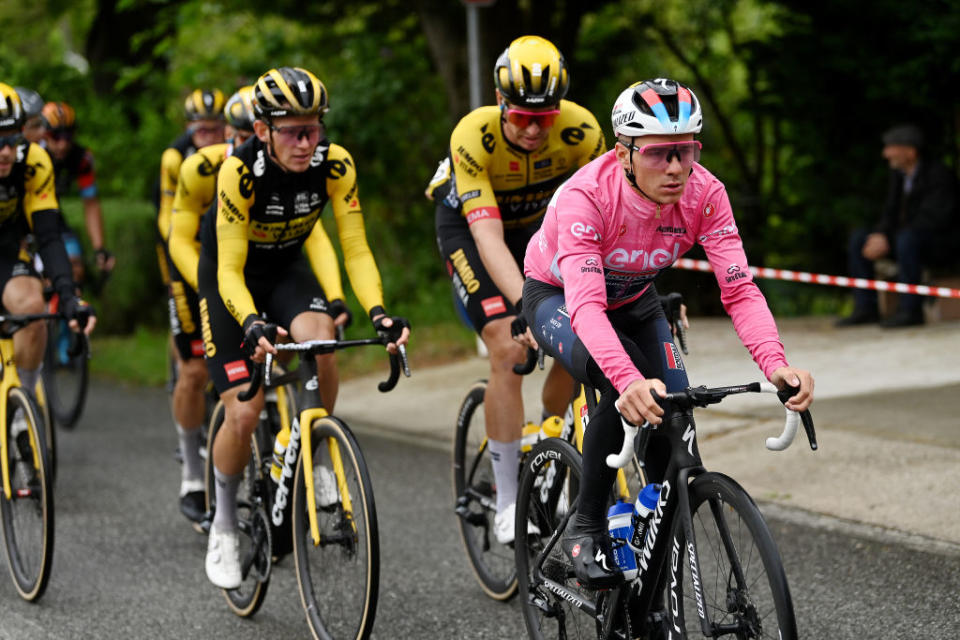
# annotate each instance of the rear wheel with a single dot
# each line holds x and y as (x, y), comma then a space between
(739, 579)
(28, 513)
(339, 576)
(66, 372)
(255, 540)
(475, 492)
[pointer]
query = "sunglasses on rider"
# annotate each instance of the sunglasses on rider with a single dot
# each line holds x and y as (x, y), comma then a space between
(522, 118)
(61, 134)
(293, 134)
(11, 140)
(661, 154)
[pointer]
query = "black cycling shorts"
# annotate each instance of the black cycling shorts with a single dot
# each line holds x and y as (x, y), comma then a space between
(283, 295)
(473, 288)
(184, 308)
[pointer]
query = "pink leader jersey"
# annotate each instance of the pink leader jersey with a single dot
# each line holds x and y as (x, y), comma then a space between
(604, 244)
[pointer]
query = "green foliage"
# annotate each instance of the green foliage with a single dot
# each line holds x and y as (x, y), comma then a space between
(134, 295)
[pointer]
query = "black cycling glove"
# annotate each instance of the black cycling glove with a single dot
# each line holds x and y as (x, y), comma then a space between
(75, 308)
(256, 330)
(394, 331)
(338, 306)
(519, 325)
(103, 257)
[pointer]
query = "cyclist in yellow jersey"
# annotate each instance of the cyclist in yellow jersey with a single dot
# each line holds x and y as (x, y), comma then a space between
(203, 109)
(28, 203)
(270, 194)
(505, 163)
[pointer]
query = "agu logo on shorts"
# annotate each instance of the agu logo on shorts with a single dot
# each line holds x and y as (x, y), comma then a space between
(493, 306)
(236, 370)
(672, 356)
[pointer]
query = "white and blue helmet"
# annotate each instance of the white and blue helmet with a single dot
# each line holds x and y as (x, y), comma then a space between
(656, 107)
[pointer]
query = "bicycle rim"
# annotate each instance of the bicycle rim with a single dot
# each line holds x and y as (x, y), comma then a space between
(247, 598)
(475, 492)
(548, 485)
(49, 428)
(28, 515)
(743, 585)
(66, 373)
(338, 578)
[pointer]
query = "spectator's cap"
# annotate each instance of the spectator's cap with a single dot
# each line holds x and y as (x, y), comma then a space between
(908, 135)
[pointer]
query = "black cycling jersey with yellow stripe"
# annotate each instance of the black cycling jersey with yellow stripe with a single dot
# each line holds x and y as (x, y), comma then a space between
(267, 216)
(492, 178)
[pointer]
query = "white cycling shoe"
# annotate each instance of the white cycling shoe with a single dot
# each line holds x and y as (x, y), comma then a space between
(223, 558)
(503, 525)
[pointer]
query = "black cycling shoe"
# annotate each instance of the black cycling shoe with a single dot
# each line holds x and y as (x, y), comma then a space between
(592, 557)
(193, 506)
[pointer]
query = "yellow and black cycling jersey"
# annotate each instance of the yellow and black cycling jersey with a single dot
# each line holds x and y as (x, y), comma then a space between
(197, 193)
(28, 203)
(173, 156)
(266, 216)
(485, 176)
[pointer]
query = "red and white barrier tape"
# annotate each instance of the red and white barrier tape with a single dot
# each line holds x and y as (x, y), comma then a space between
(835, 281)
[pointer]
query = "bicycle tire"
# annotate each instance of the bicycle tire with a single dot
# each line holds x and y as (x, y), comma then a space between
(730, 535)
(339, 579)
(66, 376)
(474, 493)
(49, 428)
(545, 501)
(28, 516)
(246, 599)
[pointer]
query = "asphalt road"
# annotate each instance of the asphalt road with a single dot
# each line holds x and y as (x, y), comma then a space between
(127, 565)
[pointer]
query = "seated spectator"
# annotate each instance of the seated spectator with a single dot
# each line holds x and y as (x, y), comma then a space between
(918, 228)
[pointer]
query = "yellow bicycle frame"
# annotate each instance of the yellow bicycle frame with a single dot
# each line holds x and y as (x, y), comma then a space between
(9, 379)
(307, 418)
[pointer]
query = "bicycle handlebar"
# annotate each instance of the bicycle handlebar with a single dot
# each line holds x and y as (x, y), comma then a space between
(262, 371)
(703, 396)
(534, 359)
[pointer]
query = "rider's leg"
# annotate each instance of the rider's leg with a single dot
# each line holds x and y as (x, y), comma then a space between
(313, 325)
(503, 408)
(558, 390)
(24, 294)
(189, 411)
(231, 451)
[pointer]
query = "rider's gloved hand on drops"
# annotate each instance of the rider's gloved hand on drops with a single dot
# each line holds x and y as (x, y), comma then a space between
(794, 377)
(81, 315)
(340, 312)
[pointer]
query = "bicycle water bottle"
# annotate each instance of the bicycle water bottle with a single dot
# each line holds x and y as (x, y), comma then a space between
(620, 522)
(642, 510)
(552, 427)
(279, 451)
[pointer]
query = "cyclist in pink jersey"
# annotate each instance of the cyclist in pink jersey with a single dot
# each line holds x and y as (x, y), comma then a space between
(590, 301)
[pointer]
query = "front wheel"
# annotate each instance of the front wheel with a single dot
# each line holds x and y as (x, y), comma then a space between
(735, 577)
(339, 574)
(28, 514)
(66, 371)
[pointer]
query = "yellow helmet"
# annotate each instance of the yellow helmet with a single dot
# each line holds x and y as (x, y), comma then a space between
(204, 104)
(531, 72)
(239, 109)
(11, 110)
(289, 91)
(59, 115)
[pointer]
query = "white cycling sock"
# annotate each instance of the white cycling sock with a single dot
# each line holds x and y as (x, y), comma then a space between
(504, 456)
(225, 518)
(190, 450)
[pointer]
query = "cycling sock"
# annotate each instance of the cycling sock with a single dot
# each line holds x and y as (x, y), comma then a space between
(225, 518)
(28, 380)
(190, 450)
(505, 456)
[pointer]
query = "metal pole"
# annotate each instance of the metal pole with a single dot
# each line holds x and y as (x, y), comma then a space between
(473, 54)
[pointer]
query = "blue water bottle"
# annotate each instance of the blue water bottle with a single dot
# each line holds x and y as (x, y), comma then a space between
(620, 521)
(642, 510)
